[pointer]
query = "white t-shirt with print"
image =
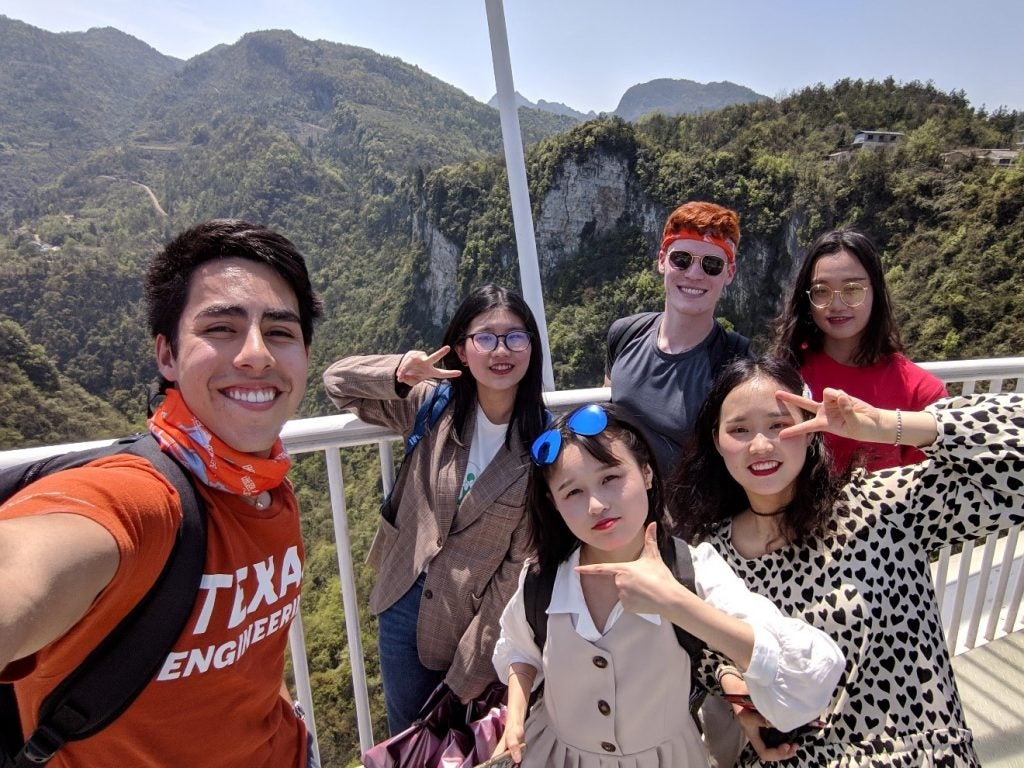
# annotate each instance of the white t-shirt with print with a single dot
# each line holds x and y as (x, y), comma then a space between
(487, 439)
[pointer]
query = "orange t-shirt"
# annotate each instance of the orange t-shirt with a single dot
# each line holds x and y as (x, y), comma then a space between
(216, 702)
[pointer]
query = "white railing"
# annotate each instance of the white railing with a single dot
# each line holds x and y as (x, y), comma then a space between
(978, 590)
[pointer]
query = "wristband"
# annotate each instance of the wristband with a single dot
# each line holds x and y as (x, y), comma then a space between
(899, 427)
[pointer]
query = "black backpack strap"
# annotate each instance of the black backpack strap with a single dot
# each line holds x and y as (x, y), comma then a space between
(729, 345)
(11, 739)
(13, 479)
(681, 564)
(625, 330)
(99, 690)
(537, 588)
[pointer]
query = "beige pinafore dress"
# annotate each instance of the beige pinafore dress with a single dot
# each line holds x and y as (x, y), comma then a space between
(620, 702)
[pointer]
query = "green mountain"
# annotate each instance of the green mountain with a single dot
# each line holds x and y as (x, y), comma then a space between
(602, 190)
(299, 86)
(665, 95)
(312, 137)
(65, 95)
(39, 405)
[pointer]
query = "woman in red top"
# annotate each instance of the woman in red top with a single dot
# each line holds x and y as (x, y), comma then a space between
(838, 329)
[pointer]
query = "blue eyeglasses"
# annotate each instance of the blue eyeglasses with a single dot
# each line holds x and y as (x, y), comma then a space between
(587, 421)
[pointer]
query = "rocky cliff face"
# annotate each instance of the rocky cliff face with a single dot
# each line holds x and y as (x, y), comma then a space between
(589, 200)
(443, 264)
(764, 274)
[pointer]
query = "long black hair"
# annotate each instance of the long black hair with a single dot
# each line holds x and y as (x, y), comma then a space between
(528, 408)
(702, 492)
(550, 535)
(795, 330)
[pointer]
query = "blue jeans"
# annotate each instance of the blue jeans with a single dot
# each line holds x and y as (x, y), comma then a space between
(407, 683)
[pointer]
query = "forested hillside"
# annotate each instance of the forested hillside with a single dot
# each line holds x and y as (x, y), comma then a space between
(320, 140)
(378, 170)
(63, 96)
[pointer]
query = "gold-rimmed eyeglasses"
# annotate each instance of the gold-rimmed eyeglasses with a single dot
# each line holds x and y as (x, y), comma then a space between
(851, 294)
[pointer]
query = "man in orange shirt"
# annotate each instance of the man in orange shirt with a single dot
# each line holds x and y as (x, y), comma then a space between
(231, 310)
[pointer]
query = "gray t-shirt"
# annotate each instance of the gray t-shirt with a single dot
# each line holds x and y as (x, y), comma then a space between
(664, 391)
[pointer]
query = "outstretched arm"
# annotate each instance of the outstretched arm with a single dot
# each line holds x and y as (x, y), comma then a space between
(846, 416)
(376, 387)
(52, 567)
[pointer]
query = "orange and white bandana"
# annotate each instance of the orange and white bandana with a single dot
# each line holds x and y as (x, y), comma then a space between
(209, 458)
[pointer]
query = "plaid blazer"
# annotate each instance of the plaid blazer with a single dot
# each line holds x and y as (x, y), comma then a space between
(475, 550)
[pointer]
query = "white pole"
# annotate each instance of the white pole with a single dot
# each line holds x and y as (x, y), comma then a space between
(515, 164)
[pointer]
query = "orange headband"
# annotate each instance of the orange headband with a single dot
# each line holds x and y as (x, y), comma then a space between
(724, 243)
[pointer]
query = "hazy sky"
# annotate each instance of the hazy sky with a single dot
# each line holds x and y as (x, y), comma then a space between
(587, 53)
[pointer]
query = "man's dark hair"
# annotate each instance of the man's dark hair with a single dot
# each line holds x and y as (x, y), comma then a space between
(795, 329)
(170, 271)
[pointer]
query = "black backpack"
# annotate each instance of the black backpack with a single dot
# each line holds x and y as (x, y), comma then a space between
(102, 687)
(623, 332)
(538, 586)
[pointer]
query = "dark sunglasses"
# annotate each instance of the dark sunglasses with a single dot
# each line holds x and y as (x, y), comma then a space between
(587, 421)
(711, 264)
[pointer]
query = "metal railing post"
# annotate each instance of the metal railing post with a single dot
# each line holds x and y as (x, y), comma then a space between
(515, 166)
(349, 598)
(300, 667)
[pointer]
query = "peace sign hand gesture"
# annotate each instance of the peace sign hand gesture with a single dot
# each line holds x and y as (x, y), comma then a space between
(416, 366)
(846, 416)
(838, 413)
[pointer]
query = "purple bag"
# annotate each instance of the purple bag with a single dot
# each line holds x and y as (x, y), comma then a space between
(487, 732)
(456, 750)
(447, 734)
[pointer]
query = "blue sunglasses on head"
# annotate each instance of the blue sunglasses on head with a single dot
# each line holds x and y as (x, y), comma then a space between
(587, 421)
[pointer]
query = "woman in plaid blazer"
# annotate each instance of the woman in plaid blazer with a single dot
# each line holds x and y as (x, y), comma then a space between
(449, 558)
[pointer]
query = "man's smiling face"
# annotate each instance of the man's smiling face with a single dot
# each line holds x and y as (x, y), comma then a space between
(240, 362)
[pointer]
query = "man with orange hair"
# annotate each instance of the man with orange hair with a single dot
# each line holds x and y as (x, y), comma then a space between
(661, 364)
